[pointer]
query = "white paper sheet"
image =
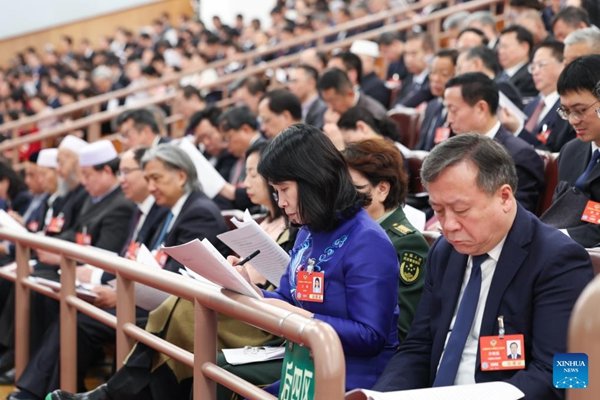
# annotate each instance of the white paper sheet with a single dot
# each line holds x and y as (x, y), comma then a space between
(148, 297)
(212, 182)
(248, 237)
(83, 291)
(487, 391)
(505, 102)
(247, 355)
(204, 259)
(6, 221)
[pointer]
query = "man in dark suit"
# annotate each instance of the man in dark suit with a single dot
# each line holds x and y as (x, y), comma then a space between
(433, 127)
(339, 94)
(277, 110)
(173, 181)
(302, 81)
(139, 128)
(514, 48)
(483, 59)
(578, 168)
(419, 47)
(514, 351)
(544, 128)
(494, 259)
(472, 101)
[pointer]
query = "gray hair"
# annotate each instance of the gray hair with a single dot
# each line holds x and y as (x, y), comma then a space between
(483, 17)
(456, 20)
(496, 167)
(590, 36)
(102, 72)
(174, 158)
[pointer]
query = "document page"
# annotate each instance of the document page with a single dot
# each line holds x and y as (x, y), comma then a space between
(148, 297)
(487, 391)
(248, 237)
(212, 182)
(205, 260)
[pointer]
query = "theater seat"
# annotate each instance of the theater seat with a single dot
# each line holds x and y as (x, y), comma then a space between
(407, 121)
(550, 180)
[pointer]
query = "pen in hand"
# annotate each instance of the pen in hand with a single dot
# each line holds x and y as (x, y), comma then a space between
(250, 257)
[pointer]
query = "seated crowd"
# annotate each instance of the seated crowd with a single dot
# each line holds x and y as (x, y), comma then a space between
(320, 156)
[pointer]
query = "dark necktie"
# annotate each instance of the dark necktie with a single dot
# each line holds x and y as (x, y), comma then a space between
(583, 177)
(163, 231)
(532, 122)
(448, 367)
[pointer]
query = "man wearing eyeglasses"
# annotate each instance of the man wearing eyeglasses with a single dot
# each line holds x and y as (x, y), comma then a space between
(544, 128)
(578, 169)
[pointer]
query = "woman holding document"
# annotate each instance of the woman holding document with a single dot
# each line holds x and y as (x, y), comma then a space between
(148, 375)
(339, 244)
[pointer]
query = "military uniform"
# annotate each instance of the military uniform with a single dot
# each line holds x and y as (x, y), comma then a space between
(412, 250)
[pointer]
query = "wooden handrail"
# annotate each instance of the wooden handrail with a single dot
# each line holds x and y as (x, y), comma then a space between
(316, 335)
(432, 19)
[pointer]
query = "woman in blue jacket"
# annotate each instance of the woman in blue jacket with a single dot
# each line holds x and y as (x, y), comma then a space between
(339, 244)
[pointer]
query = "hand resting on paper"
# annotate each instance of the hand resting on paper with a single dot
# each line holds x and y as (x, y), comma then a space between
(107, 296)
(248, 272)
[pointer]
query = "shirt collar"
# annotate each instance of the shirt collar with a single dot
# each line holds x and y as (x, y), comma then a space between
(176, 209)
(513, 70)
(146, 205)
(492, 132)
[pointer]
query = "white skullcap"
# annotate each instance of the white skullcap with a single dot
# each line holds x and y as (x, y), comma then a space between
(47, 158)
(97, 153)
(72, 143)
(365, 48)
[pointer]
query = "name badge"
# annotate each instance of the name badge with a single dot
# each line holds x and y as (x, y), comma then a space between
(33, 226)
(591, 213)
(543, 136)
(132, 250)
(502, 353)
(56, 224)
(442, 133)
(84, 239)
(310, 286)
(161, 257)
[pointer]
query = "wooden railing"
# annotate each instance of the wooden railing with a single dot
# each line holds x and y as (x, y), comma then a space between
(318, 336)
(432, 21)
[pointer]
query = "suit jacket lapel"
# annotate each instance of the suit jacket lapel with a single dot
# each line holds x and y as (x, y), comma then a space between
(511, 259)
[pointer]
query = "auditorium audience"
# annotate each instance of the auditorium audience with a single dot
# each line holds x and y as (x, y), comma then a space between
(349, 102)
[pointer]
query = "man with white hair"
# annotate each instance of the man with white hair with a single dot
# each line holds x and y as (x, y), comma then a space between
(582, 42)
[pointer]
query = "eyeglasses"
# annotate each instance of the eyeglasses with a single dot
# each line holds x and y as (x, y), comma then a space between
(538, 65)
(126, 171)
(576, 114)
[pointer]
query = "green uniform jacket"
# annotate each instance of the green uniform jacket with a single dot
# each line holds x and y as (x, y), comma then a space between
(412, 250)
